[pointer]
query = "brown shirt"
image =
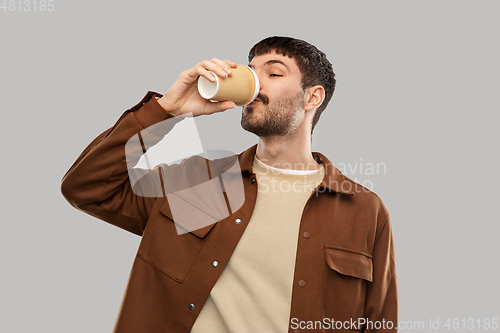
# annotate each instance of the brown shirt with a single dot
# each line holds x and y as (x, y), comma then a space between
(344, 267)
(262, 266)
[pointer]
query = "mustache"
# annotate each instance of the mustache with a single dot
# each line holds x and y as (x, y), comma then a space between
(263, 98)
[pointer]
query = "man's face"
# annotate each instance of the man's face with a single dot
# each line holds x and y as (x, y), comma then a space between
(277, 111)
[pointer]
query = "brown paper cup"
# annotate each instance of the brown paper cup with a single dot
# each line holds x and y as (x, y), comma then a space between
(242, 87)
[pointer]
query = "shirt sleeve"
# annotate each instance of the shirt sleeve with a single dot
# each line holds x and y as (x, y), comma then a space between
(98, 181)
(381, 310)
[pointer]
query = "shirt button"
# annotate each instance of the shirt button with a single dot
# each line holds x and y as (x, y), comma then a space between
(215, 263)
(191, 306)
(302, 283)
(238, 221)
(253, 180)
(307, 234)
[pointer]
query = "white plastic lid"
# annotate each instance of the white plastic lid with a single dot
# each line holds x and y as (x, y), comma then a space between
(257, 86)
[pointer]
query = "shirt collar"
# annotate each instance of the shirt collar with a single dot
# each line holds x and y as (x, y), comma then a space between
(333, 180)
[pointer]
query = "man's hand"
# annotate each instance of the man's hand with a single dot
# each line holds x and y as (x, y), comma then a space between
(183, 96)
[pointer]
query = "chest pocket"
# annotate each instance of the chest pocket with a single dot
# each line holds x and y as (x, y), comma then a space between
(345, 262)
(169, 247)
(347, 278)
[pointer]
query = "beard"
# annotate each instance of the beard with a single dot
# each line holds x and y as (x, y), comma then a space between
(281, 117)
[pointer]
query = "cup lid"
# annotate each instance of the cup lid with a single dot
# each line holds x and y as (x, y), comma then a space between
(257, 85)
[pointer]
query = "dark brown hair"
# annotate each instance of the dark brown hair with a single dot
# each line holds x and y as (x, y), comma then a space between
(313, 64)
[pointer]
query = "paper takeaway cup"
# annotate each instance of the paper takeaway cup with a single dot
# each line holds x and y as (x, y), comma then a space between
(242, 87)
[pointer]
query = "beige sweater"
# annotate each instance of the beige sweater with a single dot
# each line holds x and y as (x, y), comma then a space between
(253, 293)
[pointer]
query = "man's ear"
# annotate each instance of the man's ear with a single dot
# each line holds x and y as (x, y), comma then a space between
(315, 95)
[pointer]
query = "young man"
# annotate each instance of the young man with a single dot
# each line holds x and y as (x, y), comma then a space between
(308, 250)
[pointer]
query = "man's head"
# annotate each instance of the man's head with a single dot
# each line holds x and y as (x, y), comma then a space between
(295, 76)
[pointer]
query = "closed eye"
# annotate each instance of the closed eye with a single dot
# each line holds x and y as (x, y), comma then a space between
(275, 75)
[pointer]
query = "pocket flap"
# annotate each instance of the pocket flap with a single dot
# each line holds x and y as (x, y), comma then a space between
(197, 208)
(350, 263)
(184, 225)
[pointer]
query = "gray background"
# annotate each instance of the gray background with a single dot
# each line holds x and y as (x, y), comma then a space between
(417, 90)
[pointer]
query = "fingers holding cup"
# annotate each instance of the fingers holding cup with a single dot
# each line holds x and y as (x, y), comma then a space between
(242, 87)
